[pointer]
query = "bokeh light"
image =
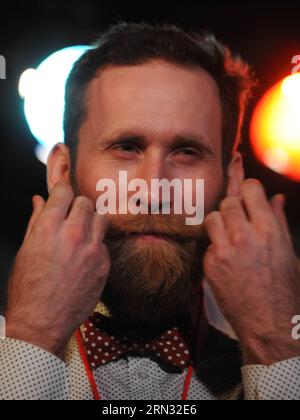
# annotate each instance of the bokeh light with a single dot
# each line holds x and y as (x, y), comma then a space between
(43, 90)
(275, 128)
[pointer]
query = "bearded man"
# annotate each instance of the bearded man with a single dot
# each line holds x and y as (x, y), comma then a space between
(158, 103)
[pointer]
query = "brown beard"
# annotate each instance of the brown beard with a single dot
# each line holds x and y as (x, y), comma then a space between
(152, 283)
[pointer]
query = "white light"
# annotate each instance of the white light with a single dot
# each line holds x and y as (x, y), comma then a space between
(291, 89)
(278, 160)
(42, 153)
(43, 90)
(27, 82)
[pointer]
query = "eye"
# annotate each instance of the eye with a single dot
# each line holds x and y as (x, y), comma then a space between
(188, 152)
(187, 155)
(125, 147)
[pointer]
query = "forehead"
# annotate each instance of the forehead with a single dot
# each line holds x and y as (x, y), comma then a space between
(157, 97)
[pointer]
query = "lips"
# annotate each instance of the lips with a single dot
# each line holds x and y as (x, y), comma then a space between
(151, 237)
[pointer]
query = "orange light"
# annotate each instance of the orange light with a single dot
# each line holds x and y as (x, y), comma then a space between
(275, 128)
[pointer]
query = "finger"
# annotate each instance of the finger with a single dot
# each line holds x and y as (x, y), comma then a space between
(214, 225)
(99, 227)
(38, 207)
(234, 216)
(59, 202)
(278, 207)
(257, 205)
(81, 213)
(104, 264)
(233, 187)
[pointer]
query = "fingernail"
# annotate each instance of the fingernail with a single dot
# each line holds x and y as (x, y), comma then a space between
(283, 199)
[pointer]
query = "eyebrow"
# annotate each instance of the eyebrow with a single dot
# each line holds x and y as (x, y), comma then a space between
(180, 140)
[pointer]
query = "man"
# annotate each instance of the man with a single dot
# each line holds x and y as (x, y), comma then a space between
(157, 103)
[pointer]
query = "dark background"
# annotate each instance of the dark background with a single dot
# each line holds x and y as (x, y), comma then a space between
(266, 34)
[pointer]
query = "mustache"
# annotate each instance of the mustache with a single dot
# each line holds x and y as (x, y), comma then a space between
(169, 225)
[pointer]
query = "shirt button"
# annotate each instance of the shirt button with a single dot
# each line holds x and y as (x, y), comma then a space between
(143, 375)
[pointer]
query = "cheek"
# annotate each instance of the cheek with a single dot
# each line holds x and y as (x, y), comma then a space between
(89, 172)
(88, 177)
(213, 194)
(214, 188)
(212, 199)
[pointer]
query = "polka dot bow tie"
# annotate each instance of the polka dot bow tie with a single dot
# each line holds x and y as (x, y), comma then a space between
(102, 348)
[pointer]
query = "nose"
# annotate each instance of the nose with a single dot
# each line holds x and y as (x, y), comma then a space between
(154, 168)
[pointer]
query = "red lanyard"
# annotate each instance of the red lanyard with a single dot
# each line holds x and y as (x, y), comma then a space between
(92, 381)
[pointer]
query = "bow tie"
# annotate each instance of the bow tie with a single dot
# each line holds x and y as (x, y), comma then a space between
(102, 348)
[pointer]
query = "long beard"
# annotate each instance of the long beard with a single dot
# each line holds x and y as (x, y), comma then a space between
(152, 283)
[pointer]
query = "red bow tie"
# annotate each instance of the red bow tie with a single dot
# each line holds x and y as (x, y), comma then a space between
(102, 348)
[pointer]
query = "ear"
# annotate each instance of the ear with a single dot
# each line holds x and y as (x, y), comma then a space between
(58, 165)
(236, 175)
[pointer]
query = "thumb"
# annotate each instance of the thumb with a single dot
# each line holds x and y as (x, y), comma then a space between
(278, 207)
(38, 206)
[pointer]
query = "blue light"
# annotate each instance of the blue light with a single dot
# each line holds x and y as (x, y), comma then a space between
(43, 90)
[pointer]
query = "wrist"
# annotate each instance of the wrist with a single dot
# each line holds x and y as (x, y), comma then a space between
(267, 351)
(45, 339)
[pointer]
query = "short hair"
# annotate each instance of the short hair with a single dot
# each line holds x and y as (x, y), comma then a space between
(128, 44)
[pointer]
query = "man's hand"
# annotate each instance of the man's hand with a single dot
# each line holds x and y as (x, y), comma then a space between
(254, 273)
(60, 271)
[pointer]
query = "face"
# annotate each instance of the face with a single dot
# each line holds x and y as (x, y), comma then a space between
(155, 121)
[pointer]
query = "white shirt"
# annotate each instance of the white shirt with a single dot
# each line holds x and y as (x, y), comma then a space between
(30, 373)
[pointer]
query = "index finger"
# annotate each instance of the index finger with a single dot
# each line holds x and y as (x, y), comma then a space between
(38, 207)
(99, 227)
(215, 228)
(59, 202)
(257, 204)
